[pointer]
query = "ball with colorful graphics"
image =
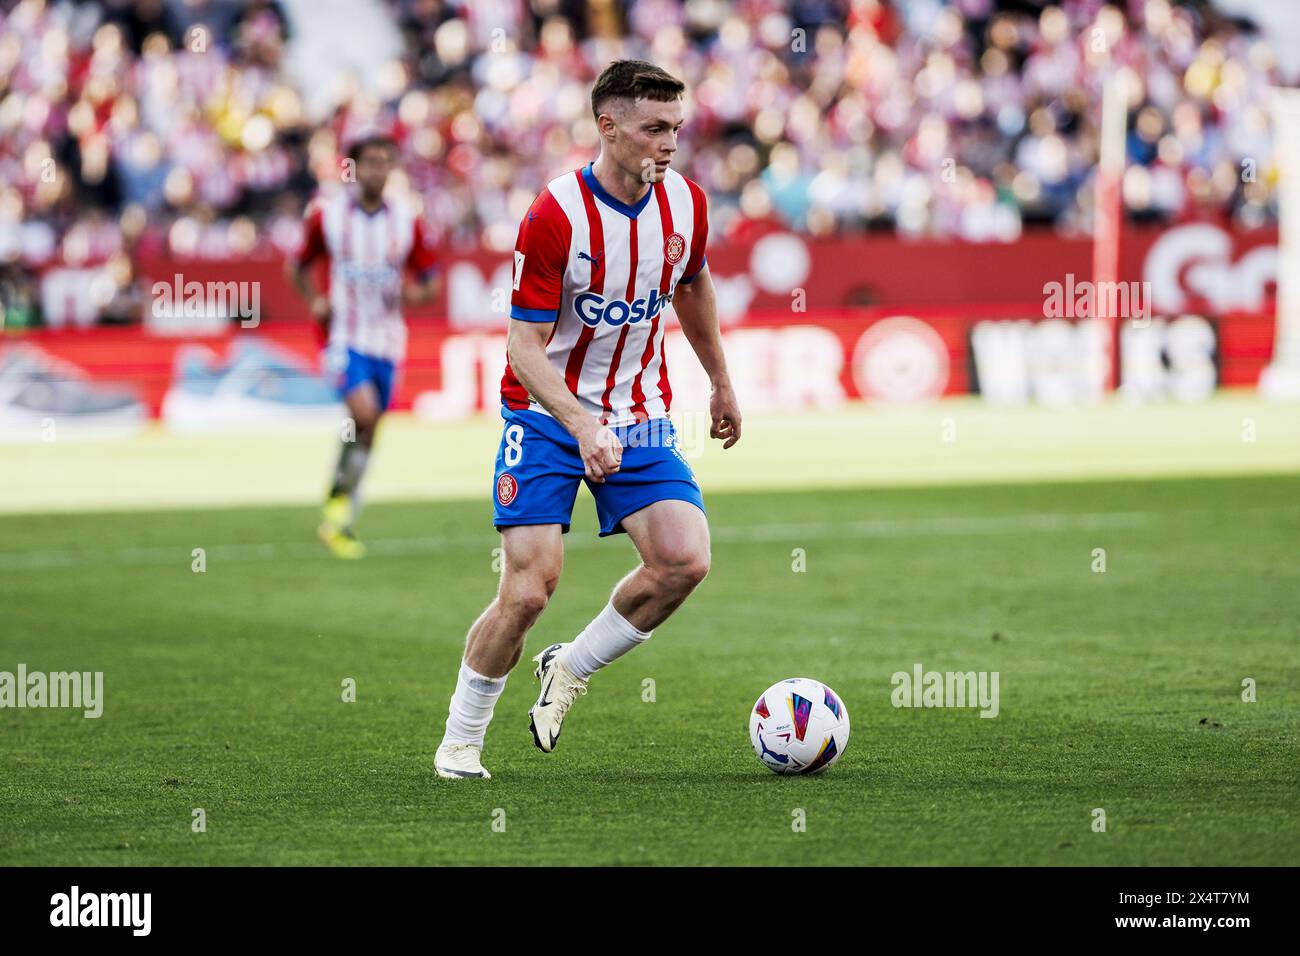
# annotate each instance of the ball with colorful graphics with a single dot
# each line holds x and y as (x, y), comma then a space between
(799, 726)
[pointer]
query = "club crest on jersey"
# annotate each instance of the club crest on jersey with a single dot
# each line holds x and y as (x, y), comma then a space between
(674, 248)
(594, 309)
(507, 489)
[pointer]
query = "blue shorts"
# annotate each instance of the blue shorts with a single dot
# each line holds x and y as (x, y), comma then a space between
(538, 470)
(360, 369)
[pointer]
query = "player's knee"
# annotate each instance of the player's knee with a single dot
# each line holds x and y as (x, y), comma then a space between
(364, 412)
(528, 602)
(683, 570)
(529, 594)
(696, 569)
(366, 423)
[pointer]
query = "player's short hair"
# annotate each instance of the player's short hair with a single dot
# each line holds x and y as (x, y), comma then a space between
(370, 141)
(634, 80)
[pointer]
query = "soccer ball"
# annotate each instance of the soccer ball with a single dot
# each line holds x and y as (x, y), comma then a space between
(799, 726)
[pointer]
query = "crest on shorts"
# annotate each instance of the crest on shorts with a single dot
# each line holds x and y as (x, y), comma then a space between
(674, 248)
(507, 489)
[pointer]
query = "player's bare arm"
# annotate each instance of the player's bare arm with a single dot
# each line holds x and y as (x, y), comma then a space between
(601, 450)
(697, 311)
(300, 275)
(420, 293)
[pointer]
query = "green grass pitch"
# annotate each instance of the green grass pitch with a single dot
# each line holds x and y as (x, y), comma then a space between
(1120, 690)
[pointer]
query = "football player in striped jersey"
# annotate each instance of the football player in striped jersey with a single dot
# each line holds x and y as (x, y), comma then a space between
(378, 260)
(585, 397)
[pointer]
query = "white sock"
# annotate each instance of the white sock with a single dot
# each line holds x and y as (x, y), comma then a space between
(352, 465)
(601, 642)
(471, 707)
(354, 468)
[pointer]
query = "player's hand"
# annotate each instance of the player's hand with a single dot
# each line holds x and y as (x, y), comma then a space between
(320, 309)
(414, 296)
(601, 451)
(725, 411)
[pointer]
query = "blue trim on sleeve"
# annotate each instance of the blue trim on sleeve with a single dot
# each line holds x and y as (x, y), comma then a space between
(533, 315)
(687, 280)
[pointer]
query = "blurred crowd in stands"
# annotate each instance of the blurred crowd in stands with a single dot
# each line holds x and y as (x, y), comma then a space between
(175, 124)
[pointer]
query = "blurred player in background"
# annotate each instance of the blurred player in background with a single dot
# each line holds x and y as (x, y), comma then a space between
(374, 249)
(585, 395)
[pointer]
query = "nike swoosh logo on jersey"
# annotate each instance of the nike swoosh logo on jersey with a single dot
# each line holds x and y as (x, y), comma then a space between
(531, 215)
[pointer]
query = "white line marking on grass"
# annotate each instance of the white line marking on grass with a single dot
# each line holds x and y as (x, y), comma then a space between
(934, 527)
(428, 545)
(952, 526)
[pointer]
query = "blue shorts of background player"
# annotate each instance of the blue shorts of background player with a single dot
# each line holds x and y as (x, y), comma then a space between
(356, 369)
(538, 470)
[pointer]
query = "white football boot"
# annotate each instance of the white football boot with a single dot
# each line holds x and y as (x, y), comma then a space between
(559, 690)
(459, 762)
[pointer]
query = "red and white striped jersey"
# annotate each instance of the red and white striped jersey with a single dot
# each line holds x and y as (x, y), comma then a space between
(603, 272)
(368, 255)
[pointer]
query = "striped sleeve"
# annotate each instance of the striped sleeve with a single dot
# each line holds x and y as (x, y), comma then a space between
(313, 236)
(421, 260)
(699, 234)
(541, 257)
